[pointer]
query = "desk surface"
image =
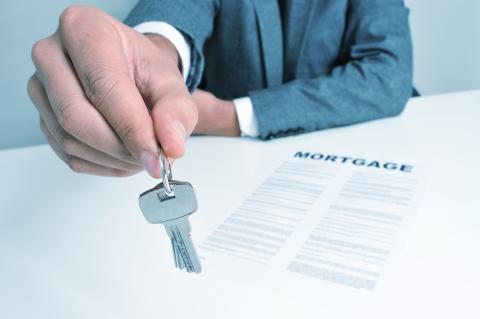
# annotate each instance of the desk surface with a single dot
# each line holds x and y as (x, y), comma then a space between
(76, 246)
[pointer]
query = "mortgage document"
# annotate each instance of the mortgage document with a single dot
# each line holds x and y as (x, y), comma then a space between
(326, 218)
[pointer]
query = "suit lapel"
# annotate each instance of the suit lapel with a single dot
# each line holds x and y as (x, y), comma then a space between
(268, 19)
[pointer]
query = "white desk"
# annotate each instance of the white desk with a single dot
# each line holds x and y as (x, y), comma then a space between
(75, 246)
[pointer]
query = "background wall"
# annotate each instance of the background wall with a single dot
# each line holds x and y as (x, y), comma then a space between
(446, 38)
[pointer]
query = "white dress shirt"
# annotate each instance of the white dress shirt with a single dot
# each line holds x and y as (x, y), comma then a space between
(243, 106)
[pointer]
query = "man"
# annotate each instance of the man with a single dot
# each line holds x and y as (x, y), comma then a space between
(109, 92)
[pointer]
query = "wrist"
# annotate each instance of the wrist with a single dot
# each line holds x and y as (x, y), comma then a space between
(217, 117)
(228, 123)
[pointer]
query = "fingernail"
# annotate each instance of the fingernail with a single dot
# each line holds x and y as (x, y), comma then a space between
(151, 164)
(181, 131)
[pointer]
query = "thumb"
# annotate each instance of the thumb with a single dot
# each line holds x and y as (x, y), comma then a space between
(174, 117)
(173, 112)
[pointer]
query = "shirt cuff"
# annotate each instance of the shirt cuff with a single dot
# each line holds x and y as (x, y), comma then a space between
(246, 117)
(174, 36)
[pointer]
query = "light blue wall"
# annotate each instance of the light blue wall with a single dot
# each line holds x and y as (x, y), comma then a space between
(446, 37)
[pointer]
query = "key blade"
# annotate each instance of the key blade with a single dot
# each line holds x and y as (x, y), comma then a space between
(179, 263)
(185, 246)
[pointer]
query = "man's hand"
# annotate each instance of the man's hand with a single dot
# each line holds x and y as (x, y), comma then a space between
(215, 116)
(108, 95)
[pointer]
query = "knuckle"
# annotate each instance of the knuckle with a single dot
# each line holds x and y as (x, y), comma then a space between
(99, 84)
(75, 164)
(69, 144)
(127, 132)
(40, 50)
(66, 118)
(32, 86)
(58, 132)
(70, 15)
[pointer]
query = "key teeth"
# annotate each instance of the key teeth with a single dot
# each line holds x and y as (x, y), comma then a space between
(189, 256)
(179, 258)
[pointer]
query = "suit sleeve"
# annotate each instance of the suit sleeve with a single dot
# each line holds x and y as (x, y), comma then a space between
(374, 82)
(194, 19)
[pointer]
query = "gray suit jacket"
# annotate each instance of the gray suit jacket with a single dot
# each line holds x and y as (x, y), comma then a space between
(314, 64)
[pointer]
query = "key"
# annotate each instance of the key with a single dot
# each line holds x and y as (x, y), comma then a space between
(173, 211)
(170, 203)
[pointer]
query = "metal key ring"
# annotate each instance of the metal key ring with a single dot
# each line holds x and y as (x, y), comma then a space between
(166, 174)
